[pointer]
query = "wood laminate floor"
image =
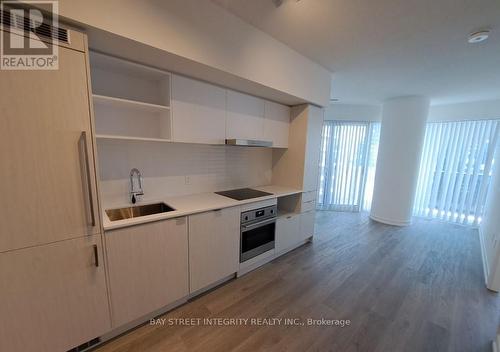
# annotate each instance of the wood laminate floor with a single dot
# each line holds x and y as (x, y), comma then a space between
(418, 288)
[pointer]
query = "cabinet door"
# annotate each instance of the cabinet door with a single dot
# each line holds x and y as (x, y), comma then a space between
(276, 124)
(148, 268)
(45, 168)
(313, 143)
(53, 297)
(287, 232)
(214, 246)
(244, 116)
(307, 225)
(199, 111)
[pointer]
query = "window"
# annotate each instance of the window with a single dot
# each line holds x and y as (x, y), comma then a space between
(347, 165)
(455, 170)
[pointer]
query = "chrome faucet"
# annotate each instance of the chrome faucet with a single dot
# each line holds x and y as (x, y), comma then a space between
(133, 192)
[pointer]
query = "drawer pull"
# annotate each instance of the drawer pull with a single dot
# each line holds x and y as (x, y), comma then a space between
(96, 256)
(89, 180)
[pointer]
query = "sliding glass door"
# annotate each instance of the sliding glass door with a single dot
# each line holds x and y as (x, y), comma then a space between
(347, 165)
(455, 170)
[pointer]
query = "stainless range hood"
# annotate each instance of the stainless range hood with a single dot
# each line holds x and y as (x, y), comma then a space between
(249, 143)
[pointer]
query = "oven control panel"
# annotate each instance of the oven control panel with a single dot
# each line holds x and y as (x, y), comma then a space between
(259, 214)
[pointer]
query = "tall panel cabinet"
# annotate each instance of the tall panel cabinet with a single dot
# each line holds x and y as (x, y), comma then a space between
(298, 165)
(47, 155)
(52, 281)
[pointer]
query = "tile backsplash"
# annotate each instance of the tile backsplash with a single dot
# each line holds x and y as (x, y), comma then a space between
(171, 169)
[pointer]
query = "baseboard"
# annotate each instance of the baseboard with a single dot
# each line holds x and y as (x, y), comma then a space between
(211, 286)
(484, 256)
(389, 221)
(137, 323)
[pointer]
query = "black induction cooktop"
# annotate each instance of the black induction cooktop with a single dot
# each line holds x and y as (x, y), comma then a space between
(243, 193)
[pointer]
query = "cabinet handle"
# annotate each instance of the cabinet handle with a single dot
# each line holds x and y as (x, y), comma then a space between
(96, 256)
(257, 224)
(89, 182)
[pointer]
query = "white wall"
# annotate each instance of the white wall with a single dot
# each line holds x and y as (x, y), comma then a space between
(200, 31)
(165, 166)
(478, 110)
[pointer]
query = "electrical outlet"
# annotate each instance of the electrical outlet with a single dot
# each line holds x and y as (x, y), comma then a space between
(187, 180)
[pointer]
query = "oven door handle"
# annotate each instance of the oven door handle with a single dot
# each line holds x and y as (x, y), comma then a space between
(257, 224)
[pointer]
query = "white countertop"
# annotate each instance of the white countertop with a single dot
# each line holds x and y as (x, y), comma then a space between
(191, 204)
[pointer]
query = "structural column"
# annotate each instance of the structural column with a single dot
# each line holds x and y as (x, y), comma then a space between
(489, 231)
(400, 149)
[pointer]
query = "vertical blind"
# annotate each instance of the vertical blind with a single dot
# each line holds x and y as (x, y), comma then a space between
(455, 170)
(347, 161)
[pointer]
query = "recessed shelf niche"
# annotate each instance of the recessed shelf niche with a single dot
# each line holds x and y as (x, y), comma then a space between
(131, 101)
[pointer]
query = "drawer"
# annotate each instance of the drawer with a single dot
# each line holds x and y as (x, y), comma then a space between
(307, 206)
(308, 196)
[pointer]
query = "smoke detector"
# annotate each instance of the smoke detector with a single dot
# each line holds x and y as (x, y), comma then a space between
(479, 36)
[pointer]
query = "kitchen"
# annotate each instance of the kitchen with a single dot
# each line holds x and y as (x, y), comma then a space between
(159, 188)
(206, 175)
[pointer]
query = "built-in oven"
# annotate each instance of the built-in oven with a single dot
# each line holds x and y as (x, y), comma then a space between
(257, 232)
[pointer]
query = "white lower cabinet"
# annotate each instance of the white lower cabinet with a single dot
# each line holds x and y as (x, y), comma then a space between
(307, 224)
(214, 246)
(307, 206)
(308, 196)
(148, 268)
(53, 297)
(287, 232)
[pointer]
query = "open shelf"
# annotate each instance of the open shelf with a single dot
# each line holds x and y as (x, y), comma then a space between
(131, 101)
(127, 103)
(119, 78)
(286, 213)
(128, 138)
(137, 120)
(289, 205)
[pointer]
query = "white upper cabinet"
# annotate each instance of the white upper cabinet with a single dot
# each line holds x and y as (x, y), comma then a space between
(137, 102)
(244, 116)
(199, 111)
(276, 123)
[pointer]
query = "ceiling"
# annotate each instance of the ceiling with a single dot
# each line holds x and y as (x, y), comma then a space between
(378, 49)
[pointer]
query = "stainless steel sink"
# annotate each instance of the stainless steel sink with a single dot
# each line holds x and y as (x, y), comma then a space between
(137, 211)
